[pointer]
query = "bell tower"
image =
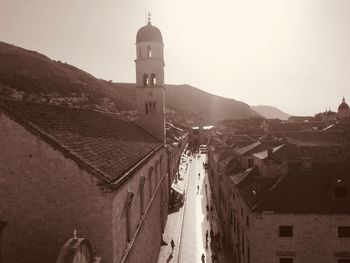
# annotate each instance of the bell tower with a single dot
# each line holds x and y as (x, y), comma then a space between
(150, 80)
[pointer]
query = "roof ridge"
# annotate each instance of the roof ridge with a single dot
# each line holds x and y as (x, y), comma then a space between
(273, 187)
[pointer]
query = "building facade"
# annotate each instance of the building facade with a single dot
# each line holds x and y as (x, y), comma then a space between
(289, 206)
(65, 169)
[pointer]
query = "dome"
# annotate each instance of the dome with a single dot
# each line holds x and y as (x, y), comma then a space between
(149, 33)
(343, 105)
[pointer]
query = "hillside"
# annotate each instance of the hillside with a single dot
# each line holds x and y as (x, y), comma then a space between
(270, 112)
(190, 101)
(29, 75)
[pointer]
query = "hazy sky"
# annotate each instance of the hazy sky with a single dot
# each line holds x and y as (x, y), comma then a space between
(293, 54)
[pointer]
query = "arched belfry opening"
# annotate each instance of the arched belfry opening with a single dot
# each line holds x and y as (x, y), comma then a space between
(145, 80)
(149, 52)
(153, 79)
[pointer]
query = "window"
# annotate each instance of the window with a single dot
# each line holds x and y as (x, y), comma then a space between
(250, 162)
(285, 231)
(2, 225)
(231, 217)
(234, 221)
(150, 189)
(153, 79)
(248, 254)
(156, 172)
(160, 165)
(340, 191)
(286, 260)
(242, 242)
(145, 80)
(344, 231)
(142, 194)
(150, 107)
(128, 205)
(149, 52)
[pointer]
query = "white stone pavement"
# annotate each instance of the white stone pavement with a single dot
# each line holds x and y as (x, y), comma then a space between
(174, 222)
(188, 226)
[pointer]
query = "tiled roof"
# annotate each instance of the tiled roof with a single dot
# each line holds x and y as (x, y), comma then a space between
(315, 153)
(307, 191)
(325, 153)
(237, 178)
(258, 147)
(103, 143)
(319, 138)
(252, 186)
(245, 149)
(264, 154)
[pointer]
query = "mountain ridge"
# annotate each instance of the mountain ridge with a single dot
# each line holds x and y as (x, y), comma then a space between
(270, 112)
(32, 76)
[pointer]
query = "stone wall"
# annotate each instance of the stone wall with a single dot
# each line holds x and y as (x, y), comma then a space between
(146, 229)
(315, 237)
(44, 197)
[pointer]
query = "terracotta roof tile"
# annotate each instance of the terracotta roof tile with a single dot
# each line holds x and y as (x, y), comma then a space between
(308, 190)
(102, 141)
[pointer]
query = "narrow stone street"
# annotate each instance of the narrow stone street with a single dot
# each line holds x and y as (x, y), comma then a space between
(189, 225)
(195, 224)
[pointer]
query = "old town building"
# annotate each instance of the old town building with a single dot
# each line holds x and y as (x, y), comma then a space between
(65, 169)
(281, 202)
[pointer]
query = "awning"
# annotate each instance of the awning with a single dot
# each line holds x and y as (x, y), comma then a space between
(177, 188)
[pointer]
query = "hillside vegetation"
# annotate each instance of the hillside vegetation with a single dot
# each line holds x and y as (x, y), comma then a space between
(29, 75)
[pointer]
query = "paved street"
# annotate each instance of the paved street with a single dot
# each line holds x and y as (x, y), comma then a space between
(196, 219)
(195, 223)
(188, 226)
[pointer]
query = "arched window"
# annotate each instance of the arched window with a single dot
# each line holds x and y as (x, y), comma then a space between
(161, 165)
(154, 109)
(145, 80)
(142, 195)
(150, 108)
(153, 79)
(157, 172)
(149, 52)
(128, 206)
(150, 188)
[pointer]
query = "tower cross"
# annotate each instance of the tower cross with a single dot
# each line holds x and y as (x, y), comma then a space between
(149, 18)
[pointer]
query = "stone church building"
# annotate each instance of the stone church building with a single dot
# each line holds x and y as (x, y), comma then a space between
(64, 169)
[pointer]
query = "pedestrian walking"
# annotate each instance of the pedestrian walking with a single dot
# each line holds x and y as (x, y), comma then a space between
(172, 243)
(199, 176)
(197, 189)
(203, 258)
